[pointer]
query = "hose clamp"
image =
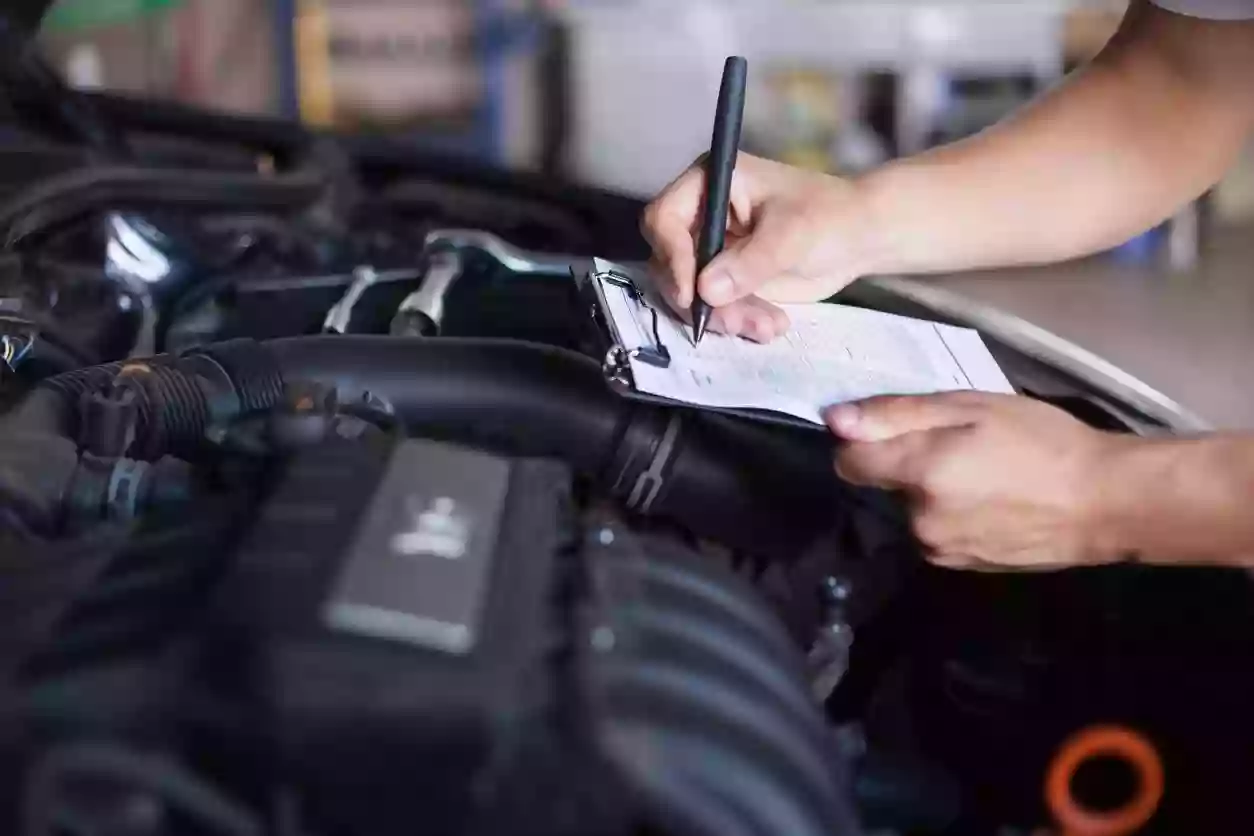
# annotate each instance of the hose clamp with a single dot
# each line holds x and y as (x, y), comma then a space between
(649, 483)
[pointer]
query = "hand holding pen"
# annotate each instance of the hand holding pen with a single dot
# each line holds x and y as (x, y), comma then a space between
(791, 235)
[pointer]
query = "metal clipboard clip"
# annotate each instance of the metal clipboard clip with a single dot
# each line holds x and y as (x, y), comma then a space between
(592, 278)
(616, 364)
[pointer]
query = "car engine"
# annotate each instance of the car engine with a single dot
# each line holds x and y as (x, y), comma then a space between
(317, 517)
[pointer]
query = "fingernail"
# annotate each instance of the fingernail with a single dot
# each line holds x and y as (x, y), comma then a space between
(718, 288)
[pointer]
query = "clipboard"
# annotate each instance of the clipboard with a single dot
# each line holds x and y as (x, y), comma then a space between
(591, 277)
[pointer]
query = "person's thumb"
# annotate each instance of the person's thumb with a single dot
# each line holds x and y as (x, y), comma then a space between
(739, 271)
(883, 418)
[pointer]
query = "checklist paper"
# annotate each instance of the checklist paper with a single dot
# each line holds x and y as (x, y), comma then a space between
(830, 355)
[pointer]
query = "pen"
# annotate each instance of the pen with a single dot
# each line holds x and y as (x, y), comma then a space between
(719, 166)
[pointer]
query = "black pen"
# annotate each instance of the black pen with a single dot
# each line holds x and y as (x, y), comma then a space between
(719, 167)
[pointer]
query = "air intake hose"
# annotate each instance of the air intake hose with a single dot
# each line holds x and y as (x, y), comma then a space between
(767, 491)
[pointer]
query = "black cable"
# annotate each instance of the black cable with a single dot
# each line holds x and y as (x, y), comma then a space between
(49, 331)
(157, 775)
(57, 200)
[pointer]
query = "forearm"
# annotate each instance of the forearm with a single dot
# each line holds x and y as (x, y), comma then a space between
(1179, 502)
(1149, 125)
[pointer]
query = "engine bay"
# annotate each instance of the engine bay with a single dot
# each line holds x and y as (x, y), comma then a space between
(317, 517)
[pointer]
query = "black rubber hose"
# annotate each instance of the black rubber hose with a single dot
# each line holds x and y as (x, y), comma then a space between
(175, 409)
(255, 378)
(510, 397)
(732, 466)
(48, 358)
(53, 406)
(59, 199)
(769, 492)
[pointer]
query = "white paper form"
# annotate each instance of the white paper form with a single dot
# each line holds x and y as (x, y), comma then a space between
(831, 354)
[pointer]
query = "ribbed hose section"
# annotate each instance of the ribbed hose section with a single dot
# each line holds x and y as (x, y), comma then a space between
(52, 408)
(252, 369)
(701, 709)
(178, 414)
(72, 385)
(173, 401)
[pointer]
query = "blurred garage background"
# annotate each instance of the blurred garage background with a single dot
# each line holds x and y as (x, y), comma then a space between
(619, 93)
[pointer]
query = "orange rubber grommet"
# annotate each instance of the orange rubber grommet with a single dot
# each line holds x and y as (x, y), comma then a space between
(1109, 742)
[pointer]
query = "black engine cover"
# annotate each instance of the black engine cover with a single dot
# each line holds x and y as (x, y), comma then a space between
(396, 641)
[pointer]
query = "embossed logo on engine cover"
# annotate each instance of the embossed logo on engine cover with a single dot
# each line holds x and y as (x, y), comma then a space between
(438, 528)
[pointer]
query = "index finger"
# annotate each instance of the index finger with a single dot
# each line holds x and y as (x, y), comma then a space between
(668, 224)
(891, 416)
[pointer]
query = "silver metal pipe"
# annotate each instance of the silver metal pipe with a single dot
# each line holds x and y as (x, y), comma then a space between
(443, 271)
(446, 251)
(340, 316)
(506, 254)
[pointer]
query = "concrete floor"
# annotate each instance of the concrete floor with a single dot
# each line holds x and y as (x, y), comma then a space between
(1190, 335)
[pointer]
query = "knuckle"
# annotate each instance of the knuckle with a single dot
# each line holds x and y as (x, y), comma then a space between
(895, 403)
(929, 530)
(892, 408)
(780, 320)
(757, 326)
(732, 318)
(651, 217)
(931, 478)
(763, 259)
